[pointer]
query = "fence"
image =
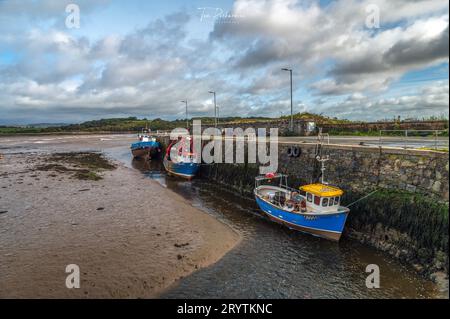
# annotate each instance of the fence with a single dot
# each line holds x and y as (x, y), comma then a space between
(429, 139)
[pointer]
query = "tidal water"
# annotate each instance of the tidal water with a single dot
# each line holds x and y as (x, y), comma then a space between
(274, 262)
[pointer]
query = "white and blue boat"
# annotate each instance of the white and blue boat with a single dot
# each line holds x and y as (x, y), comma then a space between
(181, 161)
(314, 208)
(146, 147)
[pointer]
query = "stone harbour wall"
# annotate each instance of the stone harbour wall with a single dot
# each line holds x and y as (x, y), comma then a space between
(359, 169)
(362, 169)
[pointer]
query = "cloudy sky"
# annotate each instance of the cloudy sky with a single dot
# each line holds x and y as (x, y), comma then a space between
(141, 58)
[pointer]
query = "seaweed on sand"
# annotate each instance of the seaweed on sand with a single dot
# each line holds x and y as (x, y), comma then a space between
(84, 165)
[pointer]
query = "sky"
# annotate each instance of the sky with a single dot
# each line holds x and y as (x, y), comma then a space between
(360, 60)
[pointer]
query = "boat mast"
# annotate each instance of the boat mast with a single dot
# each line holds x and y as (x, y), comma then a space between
(320, 158)
(322, 161)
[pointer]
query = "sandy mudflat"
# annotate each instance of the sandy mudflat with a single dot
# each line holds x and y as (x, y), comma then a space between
(130, 237)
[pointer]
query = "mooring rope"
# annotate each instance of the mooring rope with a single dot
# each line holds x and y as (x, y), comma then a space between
(363, 197)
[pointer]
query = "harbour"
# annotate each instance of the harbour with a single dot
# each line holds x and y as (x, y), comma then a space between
(274, 261)
(217, 158)
(271, 253)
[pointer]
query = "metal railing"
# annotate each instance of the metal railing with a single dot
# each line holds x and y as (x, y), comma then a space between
(163, 132)
(407, 137)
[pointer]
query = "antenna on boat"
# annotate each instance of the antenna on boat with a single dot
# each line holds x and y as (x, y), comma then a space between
(322, 161)
(319, 157)
(320, 137)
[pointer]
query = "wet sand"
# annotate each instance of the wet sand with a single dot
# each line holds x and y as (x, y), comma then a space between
(131, 237)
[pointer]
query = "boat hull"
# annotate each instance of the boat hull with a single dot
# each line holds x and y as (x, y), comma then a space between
(329, 226)
(146, 149)
(145, 152)
(184, 170)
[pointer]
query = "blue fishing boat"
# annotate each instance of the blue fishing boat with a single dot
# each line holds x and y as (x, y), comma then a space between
(314, 208)
(180, 160)
(146, 147)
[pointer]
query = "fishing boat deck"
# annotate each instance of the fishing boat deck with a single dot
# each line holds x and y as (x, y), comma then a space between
(269, 194)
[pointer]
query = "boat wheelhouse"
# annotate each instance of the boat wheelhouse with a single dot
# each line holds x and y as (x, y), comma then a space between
(321, 197)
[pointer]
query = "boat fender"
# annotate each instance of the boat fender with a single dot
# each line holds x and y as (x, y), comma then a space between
(270, 175)
(289, 206)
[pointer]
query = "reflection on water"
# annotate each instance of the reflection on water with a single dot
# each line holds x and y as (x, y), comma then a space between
(275, 262)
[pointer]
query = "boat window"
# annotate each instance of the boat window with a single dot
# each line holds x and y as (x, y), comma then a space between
(325, 202)
(309, 197)
(303, 193)
(336, 200)
(331, 201)
(317, 200)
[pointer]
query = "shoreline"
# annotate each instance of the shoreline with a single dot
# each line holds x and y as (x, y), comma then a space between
(131, 237)
(68, 133)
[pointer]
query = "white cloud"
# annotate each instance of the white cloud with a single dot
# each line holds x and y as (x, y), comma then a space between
(149, 70)
(429, 100)
(305, 34)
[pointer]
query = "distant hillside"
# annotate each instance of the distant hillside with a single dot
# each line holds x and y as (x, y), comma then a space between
(122, 125)
(318, 118)
(45, 125)
(133, 124)
(18, 129)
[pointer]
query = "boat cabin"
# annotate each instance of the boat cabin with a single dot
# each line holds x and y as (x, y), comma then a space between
(321, 197)
(144, 136)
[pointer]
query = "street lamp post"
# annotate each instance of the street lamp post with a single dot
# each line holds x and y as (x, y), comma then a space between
(218, 114)
(215, 108)
(187, 122)
(292, 113)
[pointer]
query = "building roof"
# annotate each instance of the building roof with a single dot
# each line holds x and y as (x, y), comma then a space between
(322, 190)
